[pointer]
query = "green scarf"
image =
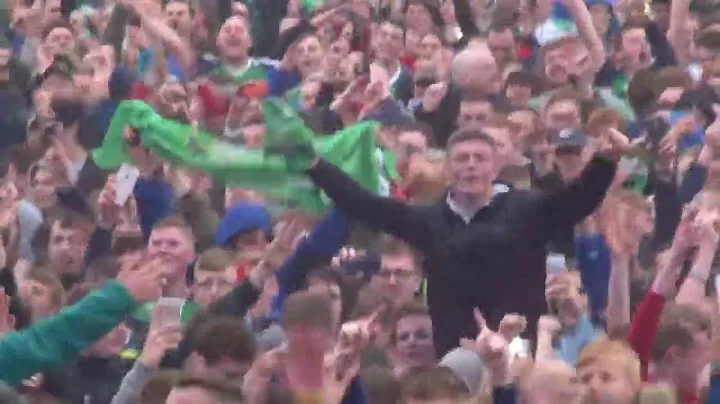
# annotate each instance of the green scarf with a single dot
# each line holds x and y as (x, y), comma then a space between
(277, 172)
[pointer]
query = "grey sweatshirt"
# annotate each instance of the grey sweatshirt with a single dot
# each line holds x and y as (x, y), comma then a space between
(132, 385)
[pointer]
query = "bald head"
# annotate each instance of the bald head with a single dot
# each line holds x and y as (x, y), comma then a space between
(476, 58)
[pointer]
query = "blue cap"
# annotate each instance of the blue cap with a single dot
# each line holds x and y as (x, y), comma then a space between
(241, 218)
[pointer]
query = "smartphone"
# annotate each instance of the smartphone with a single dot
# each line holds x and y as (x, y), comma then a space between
(168, 310)
(127, 176)
(555, 264)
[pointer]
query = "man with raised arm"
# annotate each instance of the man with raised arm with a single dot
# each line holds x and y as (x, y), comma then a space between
(484, 244)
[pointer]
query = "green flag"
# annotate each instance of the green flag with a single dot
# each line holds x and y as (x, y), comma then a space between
(277, 171)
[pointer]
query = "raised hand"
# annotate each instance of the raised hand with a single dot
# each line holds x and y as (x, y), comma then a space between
(339, 370)
(7, 320)
(345, 254)
(180, 179)
(707, 228)
(359, 333)
(549, 325)
(668, 273)
(512, 325)
(108, 211)
(256, 383)
(144, 279)
(433, 96)
(288, 237)
(160, 340)
(490, 345)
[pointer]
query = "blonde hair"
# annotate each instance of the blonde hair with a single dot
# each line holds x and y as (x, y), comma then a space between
(615, 351)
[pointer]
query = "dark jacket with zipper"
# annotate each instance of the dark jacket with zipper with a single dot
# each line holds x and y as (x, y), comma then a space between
(496, 262)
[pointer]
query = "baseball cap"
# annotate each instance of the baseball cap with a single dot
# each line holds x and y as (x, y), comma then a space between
(568, 138)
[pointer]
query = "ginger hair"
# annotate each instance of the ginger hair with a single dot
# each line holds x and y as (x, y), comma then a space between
(616, 352)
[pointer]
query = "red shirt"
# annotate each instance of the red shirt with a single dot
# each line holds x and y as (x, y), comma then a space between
(243, 270)
(644, 328)
(408, 61)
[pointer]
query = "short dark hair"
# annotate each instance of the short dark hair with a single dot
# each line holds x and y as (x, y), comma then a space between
(396, 22)
(348, 295)
(191, 10)
(412, 308)
(124, 244)
(102, 268)
(46, 277)
(502, 24)
(178, 222)
(434, 383)
(66, 219)
(80, 291)
(420, 127)
(633, 24)
(215, 259)
(224, 337)
(467, 134)
(390, 245)
(221, 391)
(470, 96)
(35, 168)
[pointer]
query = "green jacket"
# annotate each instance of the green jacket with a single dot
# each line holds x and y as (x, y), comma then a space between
(58, 339)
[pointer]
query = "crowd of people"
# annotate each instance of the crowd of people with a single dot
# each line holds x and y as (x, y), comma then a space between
(359, 202)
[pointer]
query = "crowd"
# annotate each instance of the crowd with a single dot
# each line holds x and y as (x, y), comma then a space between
(360, 202)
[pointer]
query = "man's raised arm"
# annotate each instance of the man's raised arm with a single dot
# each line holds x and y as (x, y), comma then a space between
(380, 213)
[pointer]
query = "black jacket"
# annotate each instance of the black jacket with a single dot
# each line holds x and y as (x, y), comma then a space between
(496, 263)
(87, 380)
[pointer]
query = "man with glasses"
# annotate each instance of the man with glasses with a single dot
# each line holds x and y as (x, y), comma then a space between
(399, 277)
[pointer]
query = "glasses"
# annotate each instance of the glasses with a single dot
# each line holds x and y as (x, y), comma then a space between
(395, 273)
(418, 335)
